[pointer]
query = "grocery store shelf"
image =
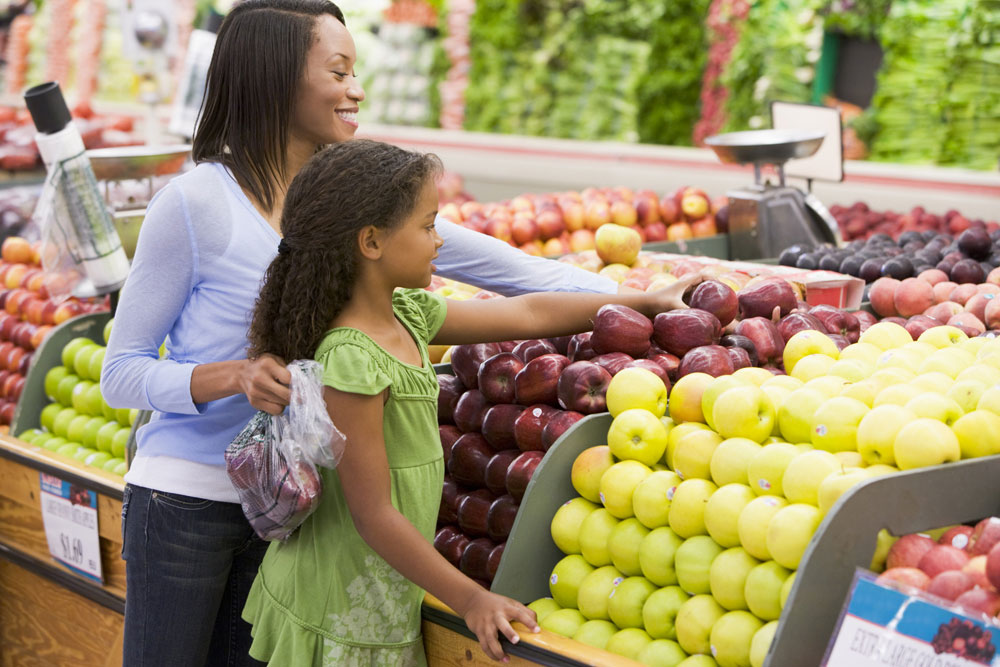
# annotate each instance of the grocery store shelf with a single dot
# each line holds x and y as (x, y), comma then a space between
(60, 576)
(63, 467)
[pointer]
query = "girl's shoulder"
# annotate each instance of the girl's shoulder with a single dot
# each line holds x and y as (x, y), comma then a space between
(422, 311)
(353, 362)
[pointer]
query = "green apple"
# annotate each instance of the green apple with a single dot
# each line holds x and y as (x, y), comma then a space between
(651, 498)
(90, 429)
(107, 411)
(931, 405)
(883, 543)
(731, 459)
(119, 441)
(595, 633)
(805, 473)
(594, 533)
(629, 642)
(623, 545)
(43, 439)
(660, 611)
(698, 661)
(565, 526)
(813, 366)
(925, 442)
(763, 590)
(676, 433)
(966, 393)
(105, 435)
(885, 335)
(978, 433)
(755, 374)
(865, 352)
(92, 400)
(618, 484)
(636, 389)
(687, 509)
(83, 453)
(53, 377)
(795, 418)
(69, 449)
(29, 435)
(656, 556)
(786, 589)
(111, 464)
(133, 415)
(731, 638)
(592, 596)
(744, 412)
(662, 653)
(48, 416)
(934, 381)
(807, 343)
(78, 399)
(715, 389)
(637, 435)
(71, 348)
(693, 562)
(626, 600)
(565, 622)
(789, 532)
(564, 582)
(835, 424)
(97, 459)
(60, 424)
(943, 336)
(96, 363)
(81, 361)
(877, 432)
(75, 429)
(692, 457)
(122, 415)
(685, 398)
(694, 623)
(761, 643)
(588, 467)
(951, 361)
(121, 469)
(727, 577)
(896, 394)
(65, 389)
(722, 513)
(767, 468)
(107, 330)
(864, 391)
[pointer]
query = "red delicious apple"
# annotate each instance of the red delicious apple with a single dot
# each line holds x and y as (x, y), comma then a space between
(668, 362)
(711, 359)
(717, 298)
(918, 324)
(653, 368)
(621, 329)
(984, 536)
(558, 424)
(529, 425)
(496, 377)
(451, 390)
(475, 558)
(493, 563)
(507, 345)
(473, 509)
(498, 425)
(908, 550)
(537, 382)
(865, 319)
(466, 359)
(612, 362)
(529, 349)
(496, 470)
(448, 509)
(791, 324)
(957, 536)
(904, 577)
(767, 341)
(678, 331)
(582, 386)
(449, 436)
(500, 518)
(950, 584)
(469, 457)
(739, 357)
(838, 321)
(760, 299)
(980, 600)
(993, 566)
(520, 471)
(941, 558)
(450, 543)
(743, 343)
(561, 343)
(469, 411)
(579, 348)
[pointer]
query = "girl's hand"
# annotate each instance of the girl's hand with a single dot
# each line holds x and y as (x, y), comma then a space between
(489, 613)
(671, 297)
(265, 382)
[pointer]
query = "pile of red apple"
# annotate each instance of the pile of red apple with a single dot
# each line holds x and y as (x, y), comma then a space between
(961, 567)
(858, 221)
(559, 223)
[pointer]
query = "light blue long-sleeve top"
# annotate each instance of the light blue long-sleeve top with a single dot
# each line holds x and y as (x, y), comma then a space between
(201, 256)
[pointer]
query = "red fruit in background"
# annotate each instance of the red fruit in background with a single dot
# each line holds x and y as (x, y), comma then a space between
(912, 297)
(717, 298)
(653, 368)
(621, 329)
(579, 348)
(767, 340)
(668, 362)
(469, 411)
(977, 305)
(793, 323)
(980, 600)
(451, 390)
(669, 210)
(496, 377)
(498, 425)
(449, 436)
(537, 382)
(561, 343)
(612, 362)
(865, 319)
(529, 425)
(473, 509)
(905, 576)
(469, 457)
(558, 424)
(968, 271)
(984, 536)
(493, 562)
(838, 321)
(941, 558)
(956, 536)
(993, 566)
(950, 584)
(742, 342)
(739, 357)
(882, 296)
(466, 359)
(496, 470)
(527, 350)
(711, 359)
(475, 558)
(760, 299)
(582, 387)
(450, 543)
(908, 550)
(918, 324)
(678, 331)
(976, 568)
(967, 322)
(448, 510)
(520, 471)
(500, 518)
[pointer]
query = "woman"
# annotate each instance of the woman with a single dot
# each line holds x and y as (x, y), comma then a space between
(280, 85)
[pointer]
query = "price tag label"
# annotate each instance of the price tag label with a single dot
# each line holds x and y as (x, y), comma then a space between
(69, 513)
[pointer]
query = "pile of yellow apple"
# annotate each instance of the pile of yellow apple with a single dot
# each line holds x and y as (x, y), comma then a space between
(691, 522)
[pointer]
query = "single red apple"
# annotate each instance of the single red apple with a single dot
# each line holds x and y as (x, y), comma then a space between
(493, 563)
(500, 518)
(711, 359)
(579, 348)
(905, 578)
(941, 558)
(760, 299)
(496, 377)
(496, 470)
(678, 331)
(529, 349)
(520, 471)
(558, 424)
(980, 600)
(451, 389)
(993, 566)
(612, 362)
(984, 536)
(717, 298)
(538, 381)
(473, 509)
(470, 410)
(498, 425)
(956, 536)
(582, 387)
(766, 339)
(792, 323)
(529, 425)
(448, 509)
(469, 457)
(449, 435)
(908, 550)
(466, 359)
(950, 584)
(475, 558)
(621, 329)
(450, 543)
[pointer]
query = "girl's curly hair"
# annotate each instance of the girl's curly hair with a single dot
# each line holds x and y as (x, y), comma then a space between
(341, 190)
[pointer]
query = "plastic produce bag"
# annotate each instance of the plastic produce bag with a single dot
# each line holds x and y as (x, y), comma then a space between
(273, 461)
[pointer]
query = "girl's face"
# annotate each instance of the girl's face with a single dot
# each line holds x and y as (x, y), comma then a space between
(411, 247)
(326, 105)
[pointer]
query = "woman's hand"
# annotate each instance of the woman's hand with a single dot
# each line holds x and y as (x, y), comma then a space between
(489, 613)
(671, 296)
(265, 381)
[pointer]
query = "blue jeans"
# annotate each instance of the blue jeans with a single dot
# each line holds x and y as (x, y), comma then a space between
(189, 566)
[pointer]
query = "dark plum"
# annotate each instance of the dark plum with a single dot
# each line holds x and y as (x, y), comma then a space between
(871, 270)
(898, 268)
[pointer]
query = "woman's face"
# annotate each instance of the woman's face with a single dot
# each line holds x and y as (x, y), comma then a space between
(326, 105)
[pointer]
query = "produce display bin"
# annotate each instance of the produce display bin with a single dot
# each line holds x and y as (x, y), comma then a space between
(709, 246)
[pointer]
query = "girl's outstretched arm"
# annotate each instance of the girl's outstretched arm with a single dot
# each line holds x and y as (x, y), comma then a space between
(546, 314)
(364, 476)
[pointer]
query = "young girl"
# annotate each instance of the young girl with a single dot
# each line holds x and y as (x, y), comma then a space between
(346, 588)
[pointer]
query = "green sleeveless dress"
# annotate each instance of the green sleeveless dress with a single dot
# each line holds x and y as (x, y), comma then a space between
(325, 597)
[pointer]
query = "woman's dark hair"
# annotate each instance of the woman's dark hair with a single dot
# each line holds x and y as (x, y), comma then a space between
(259, 57)
(340, 191)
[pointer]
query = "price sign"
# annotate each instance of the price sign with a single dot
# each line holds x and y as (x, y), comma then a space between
(69, 513)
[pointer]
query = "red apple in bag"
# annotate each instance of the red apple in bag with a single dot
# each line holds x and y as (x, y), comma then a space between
(760, 299)
(980, 600)
(908, 550)
(950, 584)
(941, 558)
(904, 577)
(984, 536)
(496, 377)
(993, 567)
(582, 387)
(466, 359)
(537, 382)
(678, 331)
(621, 329)
(498, 425)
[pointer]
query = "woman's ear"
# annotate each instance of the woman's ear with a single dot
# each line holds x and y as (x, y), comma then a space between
(371, 241)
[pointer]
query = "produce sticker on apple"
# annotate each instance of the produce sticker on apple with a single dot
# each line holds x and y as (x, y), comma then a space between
(69, 513)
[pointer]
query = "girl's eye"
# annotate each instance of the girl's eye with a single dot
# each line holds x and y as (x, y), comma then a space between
(341, 75)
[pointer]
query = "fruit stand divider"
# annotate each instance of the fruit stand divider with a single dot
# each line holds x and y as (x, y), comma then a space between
(716, 246)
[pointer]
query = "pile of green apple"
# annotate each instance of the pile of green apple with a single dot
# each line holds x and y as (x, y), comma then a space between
(690, 526)
(79, 423)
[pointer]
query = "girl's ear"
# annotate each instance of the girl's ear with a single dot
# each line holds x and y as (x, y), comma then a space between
(371, 242)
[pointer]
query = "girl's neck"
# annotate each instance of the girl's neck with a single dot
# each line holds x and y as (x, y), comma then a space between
(370, 305)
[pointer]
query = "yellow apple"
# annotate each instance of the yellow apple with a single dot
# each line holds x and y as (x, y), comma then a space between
(967, 393)
(943, 336)
(990, 400)
(754, 374)
(656, 556)
(593, 591)
(766, 470)
(685, 397)
(693, 563)
(862, 352)
(889, 376)
(835, 424)
(595, 633)
(692, 456)
(795, 418)
(983, 373)
(565, 622)
(623, 545)
(786, 589)
(925, 442)
(978, 433)
(594, 532)
(566, 577)
(786, 381)
(835, 485)
(885, 335)
(637, 435)
(626, 600)
(789, 532)
(761, 643)
(850, 459)
(694, 623)
(922, 349)
(661, 652)
(951, 361)
(935, 406)
(804, 344)
(566, 524)
(753, 522)
(617, 244)
(896, 394)
(744, 412)
(687, 509)
(813, 366)
(543, 607)
(660, 611)
(908, 360)
(880, 469)
(934, 381)
(877, 432)
(651, 498)
(629, 642)
(973, 345)
(727, 577)
(829, 385)
(763, 590)
(852, 370)
(588, 468)
(732, 635)
(618, 485)
(731, 459)
(715, 389)
(864, 391)
(805, 473)
(722, 513)
(778, 396)
(675, 436)
(636, 388)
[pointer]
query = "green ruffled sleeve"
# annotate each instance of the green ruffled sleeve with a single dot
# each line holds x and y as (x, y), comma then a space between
(423, 311)
(353, 368)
